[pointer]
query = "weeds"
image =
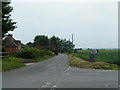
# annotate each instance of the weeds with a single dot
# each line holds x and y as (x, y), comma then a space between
(80, 63)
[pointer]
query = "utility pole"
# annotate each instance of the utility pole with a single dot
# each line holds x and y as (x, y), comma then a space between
(72, 43)
(72, 38)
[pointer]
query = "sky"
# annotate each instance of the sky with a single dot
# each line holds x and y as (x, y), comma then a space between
(93, 24)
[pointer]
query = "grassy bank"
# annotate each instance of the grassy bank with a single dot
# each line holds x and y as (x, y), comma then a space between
(80, 63)
(11, 63)
(109, 56)
(29, 55)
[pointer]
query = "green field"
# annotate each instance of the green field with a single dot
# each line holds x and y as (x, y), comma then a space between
(109, 56)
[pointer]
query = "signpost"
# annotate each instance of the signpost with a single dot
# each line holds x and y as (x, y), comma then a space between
(92, 55)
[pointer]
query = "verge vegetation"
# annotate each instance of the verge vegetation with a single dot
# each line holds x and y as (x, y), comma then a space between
(11, 63)
(28, 55)
(81, 63)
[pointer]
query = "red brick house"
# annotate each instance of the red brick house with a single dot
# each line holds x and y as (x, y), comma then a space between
(11, 45)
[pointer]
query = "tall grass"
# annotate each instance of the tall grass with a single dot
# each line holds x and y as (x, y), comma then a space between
(11, 63)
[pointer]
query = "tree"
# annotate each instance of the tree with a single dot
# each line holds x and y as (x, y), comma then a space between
(30, 44)
(66, 45)
(7, 23)
(41, 40)
(61, 45)
(54, 44)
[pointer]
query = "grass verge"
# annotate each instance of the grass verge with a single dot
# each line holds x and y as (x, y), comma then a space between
(43, 58)
(13, 62)
(0, 65)
(80, 63)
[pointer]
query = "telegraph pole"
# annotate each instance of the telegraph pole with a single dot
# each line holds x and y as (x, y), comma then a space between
(72, 38)
(72, 43)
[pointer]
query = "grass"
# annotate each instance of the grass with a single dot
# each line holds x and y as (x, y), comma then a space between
(44, 58)
(27, 55)
(80, 63)
(14, 62)
(0, 65)
(109, 56)
(11, 63)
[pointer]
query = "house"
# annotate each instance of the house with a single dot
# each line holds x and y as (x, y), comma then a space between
(11, 45)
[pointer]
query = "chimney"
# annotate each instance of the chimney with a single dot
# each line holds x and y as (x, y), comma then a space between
(10, 35)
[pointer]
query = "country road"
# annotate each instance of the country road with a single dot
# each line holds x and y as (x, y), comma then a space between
(55, 73)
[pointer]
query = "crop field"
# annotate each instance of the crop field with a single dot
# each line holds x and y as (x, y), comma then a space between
(109, 56)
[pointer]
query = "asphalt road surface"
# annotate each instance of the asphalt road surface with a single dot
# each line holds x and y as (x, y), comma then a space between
(55, 73)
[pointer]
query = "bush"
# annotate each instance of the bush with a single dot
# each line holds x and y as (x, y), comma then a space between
(32, 53)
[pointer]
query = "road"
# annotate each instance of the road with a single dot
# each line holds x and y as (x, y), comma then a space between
(55, 73)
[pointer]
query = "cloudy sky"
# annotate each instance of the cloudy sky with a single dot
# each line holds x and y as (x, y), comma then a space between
(94, 24)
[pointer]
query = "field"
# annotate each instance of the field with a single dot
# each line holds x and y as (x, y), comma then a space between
(109, 56)
(80, 63)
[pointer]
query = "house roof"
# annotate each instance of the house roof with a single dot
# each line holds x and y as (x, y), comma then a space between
(9, 41)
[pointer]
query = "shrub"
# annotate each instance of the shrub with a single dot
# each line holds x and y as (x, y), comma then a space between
(32, 53)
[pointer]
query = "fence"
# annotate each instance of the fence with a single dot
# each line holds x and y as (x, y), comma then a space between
(4, 54)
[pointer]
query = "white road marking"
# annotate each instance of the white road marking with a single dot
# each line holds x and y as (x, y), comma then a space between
(55, 86)
(67, 69)
(28, 64)
(48, 83)
(44, 86)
